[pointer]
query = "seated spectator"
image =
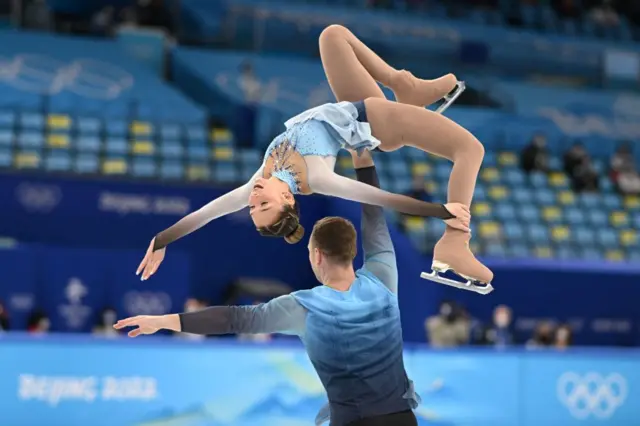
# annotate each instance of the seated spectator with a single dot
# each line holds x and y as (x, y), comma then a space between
(418, 189)
(4, 318)
(191, 305)
(535, 156)
(563, 337)
(567, 9)
(578, 165)
(543, 336)
(450, 328)
(623, 170)
(104, 326)
(500, 333)
(604, 15)
(38, 322)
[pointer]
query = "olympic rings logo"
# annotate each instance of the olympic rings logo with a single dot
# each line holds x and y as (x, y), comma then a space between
(592, 394)
(45, 75)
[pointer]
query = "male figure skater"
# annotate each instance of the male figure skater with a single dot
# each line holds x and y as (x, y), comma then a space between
(350, 325)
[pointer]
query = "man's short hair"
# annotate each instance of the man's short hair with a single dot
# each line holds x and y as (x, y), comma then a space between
(336, 238)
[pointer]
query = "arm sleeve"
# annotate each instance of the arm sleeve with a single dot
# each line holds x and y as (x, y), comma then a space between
(221, 206)
(379, 254)
(330, 183)
(282, 315)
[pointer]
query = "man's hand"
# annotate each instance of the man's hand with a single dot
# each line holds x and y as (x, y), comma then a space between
(362, 161)
(149, 324)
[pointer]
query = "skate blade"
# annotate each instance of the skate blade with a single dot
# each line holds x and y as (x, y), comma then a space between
(469, 285)
(451, 98)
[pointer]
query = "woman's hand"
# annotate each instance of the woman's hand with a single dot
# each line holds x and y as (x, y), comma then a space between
(151, 262)
(462, 218)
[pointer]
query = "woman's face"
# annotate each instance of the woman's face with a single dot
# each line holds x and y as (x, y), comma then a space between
(267, 200)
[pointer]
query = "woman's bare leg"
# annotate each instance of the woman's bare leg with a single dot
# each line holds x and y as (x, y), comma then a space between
(397, 125)
(352, 70)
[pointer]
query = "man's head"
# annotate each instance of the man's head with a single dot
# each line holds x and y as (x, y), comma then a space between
(332, 247)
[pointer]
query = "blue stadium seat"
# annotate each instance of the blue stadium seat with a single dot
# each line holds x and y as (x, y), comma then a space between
(144, 167)
(198, 152)
(590, 200)
(612, 201)
(590, 253)
(480, 194)
(196, 133)
(225, 173)
(400, 184)
(538, 179)
(505, 211)
(636, 220)
(514, 177)
(170, 132)
(598, 218)
(399, 169)
(31, 140)
(538, 233)
(58, 161)
(435, 228)
(496, 249)
(88, 143)
(519, 250)
(172, 170)
(87, 163)
(116, 128)
(171, 149)
(32, 121)
(7, 119)
(250, 157)
(584, 236)
(545, 197)
(555, 163)
(89, 125)
(513, 231)
(522, 195)
(575, 216)
(607, 238)
(529, 213)
(490, 159)
(566, 253)
(6, 138)
(606, 186)
(442, 172)
(6, 158)
(116, 146)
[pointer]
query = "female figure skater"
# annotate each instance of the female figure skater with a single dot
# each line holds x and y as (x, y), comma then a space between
(302, 159)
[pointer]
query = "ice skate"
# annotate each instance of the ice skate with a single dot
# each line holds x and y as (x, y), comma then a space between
(452, 253)
(414, 91)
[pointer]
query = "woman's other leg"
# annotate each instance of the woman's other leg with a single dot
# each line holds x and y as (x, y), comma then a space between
(397, 125)
(352, 70)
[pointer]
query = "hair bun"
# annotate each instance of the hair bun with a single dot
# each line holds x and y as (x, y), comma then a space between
(296, 235)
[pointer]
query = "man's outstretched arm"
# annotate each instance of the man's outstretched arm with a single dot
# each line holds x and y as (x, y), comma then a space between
(379, 254)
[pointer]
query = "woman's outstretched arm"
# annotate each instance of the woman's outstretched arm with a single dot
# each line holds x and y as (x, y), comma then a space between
(221, 206)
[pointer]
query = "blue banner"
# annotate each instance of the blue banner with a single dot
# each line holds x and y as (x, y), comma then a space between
(146, 46)
(18, 284)
(154, 381)
(73, 287)
(123, 217)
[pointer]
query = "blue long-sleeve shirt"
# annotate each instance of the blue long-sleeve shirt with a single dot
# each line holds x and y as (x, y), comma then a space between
(353, 337)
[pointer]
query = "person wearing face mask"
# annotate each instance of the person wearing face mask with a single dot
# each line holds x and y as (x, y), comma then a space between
(104, 326)
(543, 336)
(38, 322)
(449, 328)
(192, 305)
(500, 333)
(4, 318)
(535, 157)
(563, 337)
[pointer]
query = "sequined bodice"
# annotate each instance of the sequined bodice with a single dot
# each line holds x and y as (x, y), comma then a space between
(309, 137)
